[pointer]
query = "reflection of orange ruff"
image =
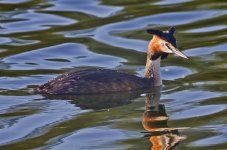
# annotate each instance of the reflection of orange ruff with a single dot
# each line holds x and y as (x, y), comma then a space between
(155, 120)
(157, 143)
(165, 142)
(161, 136)
(154, 123)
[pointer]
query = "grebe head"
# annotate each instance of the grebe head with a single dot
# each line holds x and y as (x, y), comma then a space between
(163, 43)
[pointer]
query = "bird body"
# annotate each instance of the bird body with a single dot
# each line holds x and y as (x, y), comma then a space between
(96, 81)
(90, 81)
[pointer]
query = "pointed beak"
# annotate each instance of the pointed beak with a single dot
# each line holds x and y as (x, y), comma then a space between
(179, 53)
(176, 51)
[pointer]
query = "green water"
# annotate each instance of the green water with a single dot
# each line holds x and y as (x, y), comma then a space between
(40, 39)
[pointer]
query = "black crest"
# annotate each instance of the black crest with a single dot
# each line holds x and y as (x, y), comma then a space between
(165, 35)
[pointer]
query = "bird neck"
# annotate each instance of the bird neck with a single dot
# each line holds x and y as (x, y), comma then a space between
(152, 71)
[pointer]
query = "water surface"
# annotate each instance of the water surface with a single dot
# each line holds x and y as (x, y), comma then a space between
(40, 39)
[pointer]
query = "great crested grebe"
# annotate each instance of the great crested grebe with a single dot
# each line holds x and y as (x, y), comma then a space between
(95, 81)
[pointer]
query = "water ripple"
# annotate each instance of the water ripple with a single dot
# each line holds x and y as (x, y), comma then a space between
(201, 51)
(103, 36)
(199, 111)
(13, 2)
(84, 6)
(29, 124)
(32, 21)
(208, 29)
(76, 54)
(98, 137)
(170, 2)
(219, 136)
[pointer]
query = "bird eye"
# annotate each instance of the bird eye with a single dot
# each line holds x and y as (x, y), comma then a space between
(167, 45)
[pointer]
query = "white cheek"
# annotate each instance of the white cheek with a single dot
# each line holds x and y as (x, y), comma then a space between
(167, 50)
(164, 48)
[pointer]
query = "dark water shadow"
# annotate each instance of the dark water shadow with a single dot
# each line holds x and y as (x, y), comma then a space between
(103, 101)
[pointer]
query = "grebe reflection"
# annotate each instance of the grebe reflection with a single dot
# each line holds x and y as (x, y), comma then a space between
(155, 121)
